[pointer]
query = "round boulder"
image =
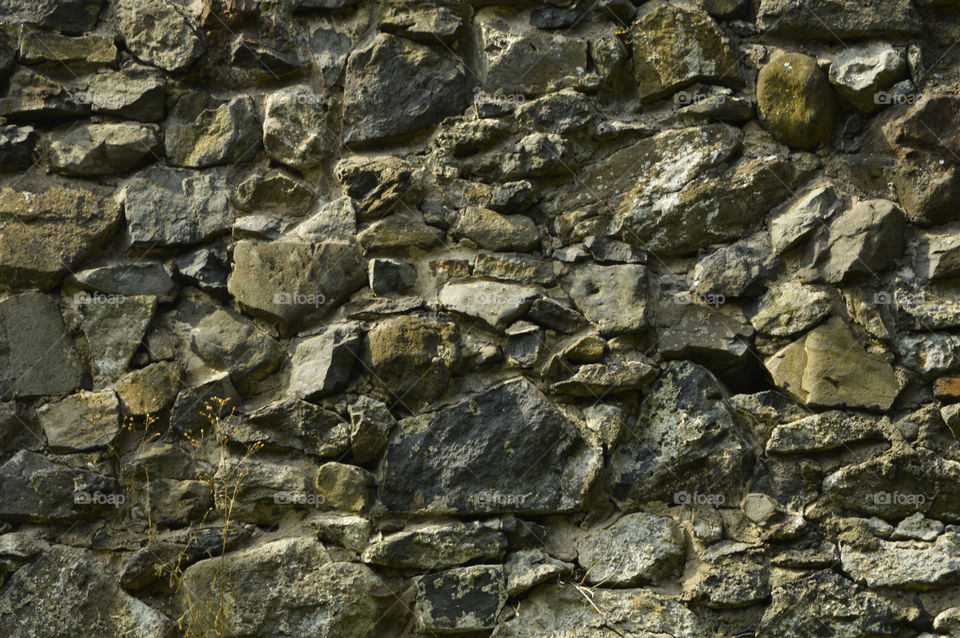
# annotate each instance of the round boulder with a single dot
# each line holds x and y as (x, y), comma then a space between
(795, 100)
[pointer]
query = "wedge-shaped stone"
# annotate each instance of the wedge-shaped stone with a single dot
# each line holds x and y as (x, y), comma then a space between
(505, 450)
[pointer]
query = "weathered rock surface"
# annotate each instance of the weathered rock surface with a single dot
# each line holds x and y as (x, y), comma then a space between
(306, 593)
(89, 600)
(203, 132)
(837, 19)
(160, 33)
(795, 101)
(436, 546)
(173, 207)
(674, 47)
(686, 440)
(430, 456)
(638, 548)
(828, 602)
(905, 564)
(461, 599)
(403, 345)
(395, 87)
(827, 367)
(562, 610)
(104, 149)
(296, 127)
(496, 304)
(37, 356)
(322, 364)
(612, 297)
(290, 281)
(34, 249)
(81, 421)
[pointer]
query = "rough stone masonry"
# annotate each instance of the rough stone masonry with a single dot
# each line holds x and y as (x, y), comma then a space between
(507, 319)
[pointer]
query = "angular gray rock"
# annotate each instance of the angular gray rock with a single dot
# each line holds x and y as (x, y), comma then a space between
(527, 568)
(838, 19)
(516, 59)
(637, 548)
(323, 364)
(114, 328)
(32, 95)
(395, 87)
(202, 131)
(81, 421)
(686, 440)
(828, 602)
(227, 341)
(438, 546)
(290, 424)
(335, 220)
(905, 564)
(791, 308)
(46, 233)
(104, 149)
(563, 610)
(297, 128)
(141, 277)
(17, 147)
(175, 206)
(160, 32)
(391, 275)
(460, 600)
(824, 431)
(899, 483)
(495, 303)
(735, 270)
(33, 488)
(37, 356)
(453, 461)
(274, 191)
(810, 211)
(98, 607)
(612, 297)
(290, 583)
(71, 16)
(370, 427)
(861, 242)
(493, 231)
(134, 91)
(860, 72)
(292, 281)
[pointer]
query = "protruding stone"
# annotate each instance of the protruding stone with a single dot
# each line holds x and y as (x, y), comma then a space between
(394, 87)
(202, 132)
(297, 127)
(550, 468)
(674, 47)
(323, 364)
(160, 33)
(828, 367)
(612, 297)
(437, 546)
(172, 207)
(82, 421)
(44, 234)
(103, 149)
(860, 72)
(424, 347)
(638, 548)
(460, 600)
(795, 100)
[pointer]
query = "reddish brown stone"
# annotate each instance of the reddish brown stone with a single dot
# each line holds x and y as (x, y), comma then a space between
(947, 389)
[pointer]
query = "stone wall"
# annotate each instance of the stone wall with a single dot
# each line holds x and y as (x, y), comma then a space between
(346, 319)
